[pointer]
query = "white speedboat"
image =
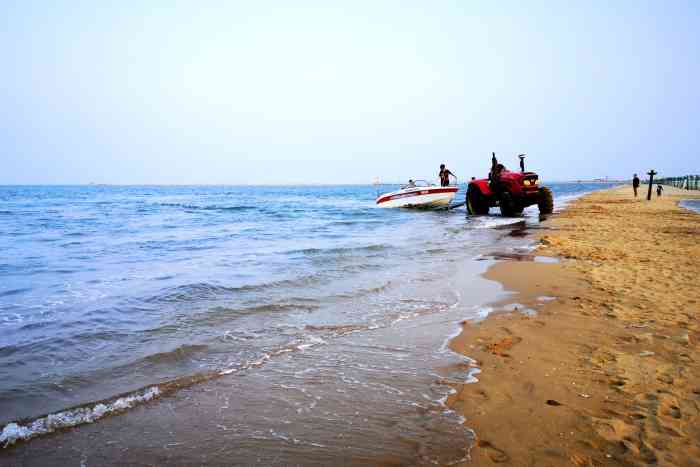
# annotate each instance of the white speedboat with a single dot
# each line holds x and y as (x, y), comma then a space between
(419, 194)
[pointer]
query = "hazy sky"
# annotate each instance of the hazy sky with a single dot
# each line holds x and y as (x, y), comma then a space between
(342, 92)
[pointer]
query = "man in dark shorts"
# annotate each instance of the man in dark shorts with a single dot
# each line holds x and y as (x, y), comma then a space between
(495, 178)
(659, 189)
(445, 175)
(635, 184)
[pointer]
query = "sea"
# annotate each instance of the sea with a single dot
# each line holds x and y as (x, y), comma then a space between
(299, 324)
(692, 204)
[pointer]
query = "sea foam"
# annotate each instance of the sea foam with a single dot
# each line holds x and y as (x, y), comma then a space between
(13, 432)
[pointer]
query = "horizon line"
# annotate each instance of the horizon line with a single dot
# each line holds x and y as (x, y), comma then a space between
(97, 185)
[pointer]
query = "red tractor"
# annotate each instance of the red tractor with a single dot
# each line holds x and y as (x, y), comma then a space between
(511, 191)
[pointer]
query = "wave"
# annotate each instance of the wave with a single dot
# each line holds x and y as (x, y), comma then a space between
(7, 293)
(361, 219)
(195, 291)
(221, 315)
(178, 353)
(208, 207)
(435, 251)
(75, 234)
(341, 250)
(203, 290)
(14, 432)
(361, 292)
(25, 430)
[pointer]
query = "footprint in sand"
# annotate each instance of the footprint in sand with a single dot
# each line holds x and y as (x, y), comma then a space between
(496, 455)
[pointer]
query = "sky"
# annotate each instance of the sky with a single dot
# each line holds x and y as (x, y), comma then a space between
(280, 92)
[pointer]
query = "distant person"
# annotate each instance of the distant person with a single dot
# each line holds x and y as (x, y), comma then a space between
(635, 184)
(411, 183)
(445, 175)
(473, 178)
(659, 189)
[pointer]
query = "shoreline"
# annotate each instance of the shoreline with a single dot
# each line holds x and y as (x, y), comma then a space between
(199, 415)
(593, 359)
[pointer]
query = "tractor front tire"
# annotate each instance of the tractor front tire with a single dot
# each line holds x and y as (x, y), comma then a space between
(545, 201)
(476, 203)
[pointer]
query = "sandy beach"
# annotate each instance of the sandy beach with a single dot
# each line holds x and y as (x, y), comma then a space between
(594, 360)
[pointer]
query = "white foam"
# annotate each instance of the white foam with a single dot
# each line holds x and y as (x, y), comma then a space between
(445, 347)
(13, 432)
(471, 376)
(487, 222)
(312, 342)
(268, 356)
(483, 312)
(519, 307)
(526, 248)
(256, 363)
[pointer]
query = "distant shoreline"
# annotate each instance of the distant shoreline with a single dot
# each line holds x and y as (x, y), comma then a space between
(316, 185)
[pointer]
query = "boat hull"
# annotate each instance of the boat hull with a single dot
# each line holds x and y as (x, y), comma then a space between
(421, 197)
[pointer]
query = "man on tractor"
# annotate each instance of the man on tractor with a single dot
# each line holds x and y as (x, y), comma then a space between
(495, 174)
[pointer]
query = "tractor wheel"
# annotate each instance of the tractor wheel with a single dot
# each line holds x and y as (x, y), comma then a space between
(545, 201)
(476, 204)
(507, 205)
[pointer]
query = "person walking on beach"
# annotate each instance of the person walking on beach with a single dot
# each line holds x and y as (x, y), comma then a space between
(635, 184)
(445, 175)
(659, 189)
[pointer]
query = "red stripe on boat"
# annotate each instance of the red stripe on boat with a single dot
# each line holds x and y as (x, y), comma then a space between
(427, 191)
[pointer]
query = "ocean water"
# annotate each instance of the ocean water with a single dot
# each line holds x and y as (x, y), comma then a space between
(110, 291)
(692, 204)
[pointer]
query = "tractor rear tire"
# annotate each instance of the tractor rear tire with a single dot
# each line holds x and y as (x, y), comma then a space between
(476, 203)
(545, 201)
(508, 206)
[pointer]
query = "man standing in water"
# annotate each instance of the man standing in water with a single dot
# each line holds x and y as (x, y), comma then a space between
(445, 175)
(635, 184)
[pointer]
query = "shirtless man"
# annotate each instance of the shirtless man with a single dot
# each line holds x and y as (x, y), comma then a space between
(445, 175)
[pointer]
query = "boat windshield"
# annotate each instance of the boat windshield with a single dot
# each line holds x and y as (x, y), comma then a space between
(416, 183)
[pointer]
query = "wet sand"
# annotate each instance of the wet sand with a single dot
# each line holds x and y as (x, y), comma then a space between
(593, 360)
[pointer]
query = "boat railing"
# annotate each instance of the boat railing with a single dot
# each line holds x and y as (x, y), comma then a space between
(418, 184)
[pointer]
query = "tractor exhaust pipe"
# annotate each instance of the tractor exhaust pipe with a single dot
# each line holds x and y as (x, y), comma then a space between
(522, 162)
